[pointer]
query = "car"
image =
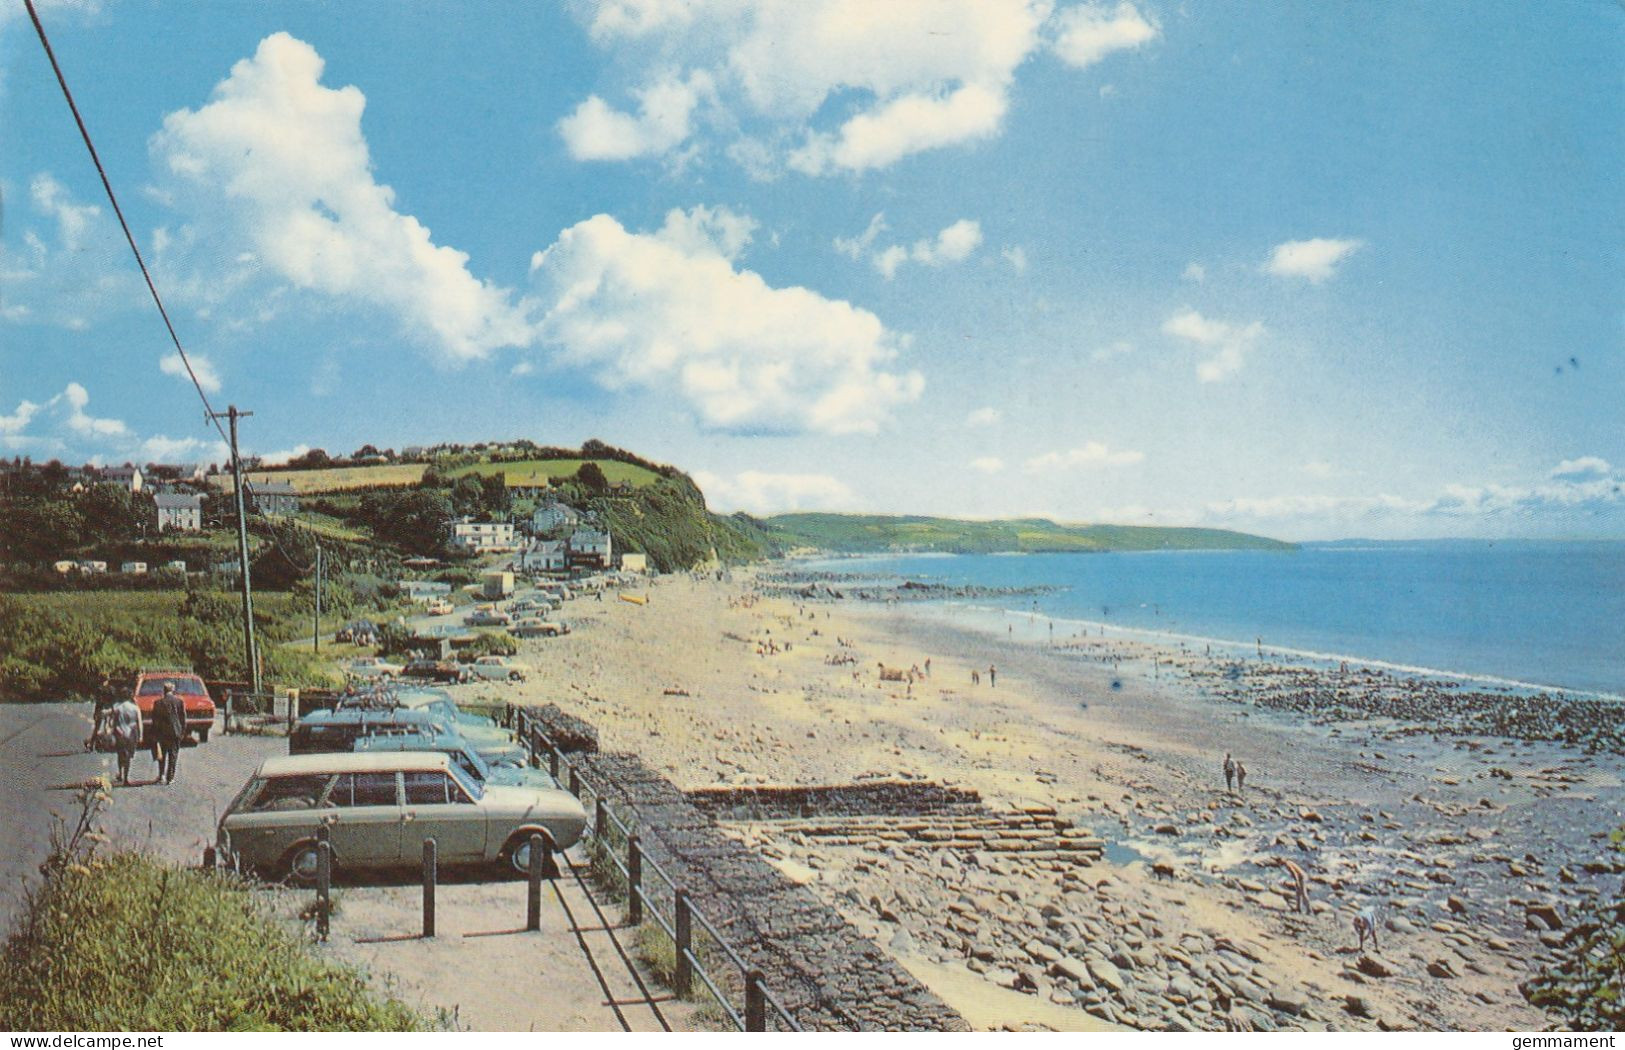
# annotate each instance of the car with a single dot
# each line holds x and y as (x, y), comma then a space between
(149, 686)
(539, 629)
(477, 728)
(374, 668)
(487, 618)
(435, 670)
(439, 607)
(358, 632)
(379, 807)
(522, 605)
(336, 729)
(499, 667)
(506, 766)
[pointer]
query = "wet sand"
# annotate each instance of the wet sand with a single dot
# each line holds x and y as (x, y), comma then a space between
(1457, 841)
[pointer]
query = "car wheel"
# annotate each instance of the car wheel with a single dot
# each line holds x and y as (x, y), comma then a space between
(518, 854)
(302, 864)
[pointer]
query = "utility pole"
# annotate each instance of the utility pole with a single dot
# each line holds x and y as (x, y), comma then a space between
(232, 415)
(316, 628)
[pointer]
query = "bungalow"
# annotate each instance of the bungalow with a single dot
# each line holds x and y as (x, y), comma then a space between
(274, 497)
(179, 511)
(91, 567)
(178, 565)
(64, 567)
(134, 568)
(545, 556)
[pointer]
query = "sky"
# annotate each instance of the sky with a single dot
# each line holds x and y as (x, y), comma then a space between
(1313, 271)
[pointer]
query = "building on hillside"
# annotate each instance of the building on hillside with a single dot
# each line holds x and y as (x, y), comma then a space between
(178, 565)
(553, 516)
(545, 556)
(92, 567)
(126, 477)
(133, 568)
(482, 536)
(634, 562)
(64, 567)
(274, 497)
(621, 489)
(179, 511)
(589, 549)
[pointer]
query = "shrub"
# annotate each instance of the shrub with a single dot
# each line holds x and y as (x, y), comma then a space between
(490, 643)
(1586, 986)
(124, 943)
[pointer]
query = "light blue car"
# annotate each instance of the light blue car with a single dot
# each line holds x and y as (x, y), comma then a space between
(510, 769)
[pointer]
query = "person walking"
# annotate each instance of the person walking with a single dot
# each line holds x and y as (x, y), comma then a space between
(992, 676)
(126, 735)
(1229, 772)
(1241, 778)
(106, 697)
(168, 730)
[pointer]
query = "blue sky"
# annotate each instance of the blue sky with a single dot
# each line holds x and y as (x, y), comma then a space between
(1313, 271)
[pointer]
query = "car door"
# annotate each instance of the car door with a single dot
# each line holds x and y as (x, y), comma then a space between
(438, 808)
(281, 812)
(365, 818)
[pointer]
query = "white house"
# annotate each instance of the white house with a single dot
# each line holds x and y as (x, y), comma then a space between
(553, 516)
(134, 568)
(126, 477)
(92, 566)
(590, 549)
(179, 511)
(545, 556)
(481, 536)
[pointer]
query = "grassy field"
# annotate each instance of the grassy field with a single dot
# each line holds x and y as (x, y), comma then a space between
(118, 605)
(524, 472)
(855, 533)
(528, 472)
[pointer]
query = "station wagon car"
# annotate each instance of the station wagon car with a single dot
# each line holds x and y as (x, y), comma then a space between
(498, 668)
(379, 808)
(538, 629)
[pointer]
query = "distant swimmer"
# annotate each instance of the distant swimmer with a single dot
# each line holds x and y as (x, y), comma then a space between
(1365, 923)
(1300, 887)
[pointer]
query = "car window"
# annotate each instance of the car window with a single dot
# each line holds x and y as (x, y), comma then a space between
(286, 793)
(426, 788)
(364, 789)
(469, 763)
(460, 782)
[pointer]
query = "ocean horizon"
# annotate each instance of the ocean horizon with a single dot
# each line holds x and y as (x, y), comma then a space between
(1521, 614)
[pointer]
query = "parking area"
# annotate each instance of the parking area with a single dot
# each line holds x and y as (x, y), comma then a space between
(481, 969)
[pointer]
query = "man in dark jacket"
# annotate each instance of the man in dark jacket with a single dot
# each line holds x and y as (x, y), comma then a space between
(168, 730)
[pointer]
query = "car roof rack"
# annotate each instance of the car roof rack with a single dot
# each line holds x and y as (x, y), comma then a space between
(165, 670)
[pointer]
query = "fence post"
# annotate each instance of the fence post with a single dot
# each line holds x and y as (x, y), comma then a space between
(533, 907)
(553, 763)
(755, 1003)
(600, 822)
(225, 727)
(575, 782)
(431, 873)
(324, 886)
(634, 880)
(683, 979)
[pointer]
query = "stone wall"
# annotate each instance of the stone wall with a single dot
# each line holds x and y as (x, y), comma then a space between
(879, 798)
(826, 973)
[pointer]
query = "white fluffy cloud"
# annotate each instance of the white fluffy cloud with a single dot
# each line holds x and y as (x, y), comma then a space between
(954, 243)
(77, 398)
(1585, 466)
(163, 449)
(670, 311)
(1089, 32)
(51, 198)
(987, 464)
(834, 86)
(207, 377)
(1228, 343)
(1090, 456)
(281, 458)
(758, 492)
(984, 417)
(1315, 260)
(277, 160)
(598, 131)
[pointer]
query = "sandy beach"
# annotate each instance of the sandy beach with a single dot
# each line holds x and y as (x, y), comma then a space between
(1472, 850)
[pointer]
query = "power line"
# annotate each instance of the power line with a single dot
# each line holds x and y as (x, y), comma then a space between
(84, 133)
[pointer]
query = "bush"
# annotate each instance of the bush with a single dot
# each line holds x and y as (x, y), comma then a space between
(1586, 986)
(124, 943)
(490, 643)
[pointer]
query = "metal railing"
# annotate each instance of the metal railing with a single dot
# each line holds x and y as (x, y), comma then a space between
(653, 894)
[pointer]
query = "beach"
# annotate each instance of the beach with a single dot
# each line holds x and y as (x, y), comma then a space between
(1472, 850)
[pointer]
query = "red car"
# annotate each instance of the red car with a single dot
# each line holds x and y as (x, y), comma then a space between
(149, 686)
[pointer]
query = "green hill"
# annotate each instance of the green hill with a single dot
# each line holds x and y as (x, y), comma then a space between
(869, 533)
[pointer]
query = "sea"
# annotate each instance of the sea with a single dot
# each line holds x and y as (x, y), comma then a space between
(1523, 615)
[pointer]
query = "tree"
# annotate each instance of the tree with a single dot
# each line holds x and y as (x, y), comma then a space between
(592, 478)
